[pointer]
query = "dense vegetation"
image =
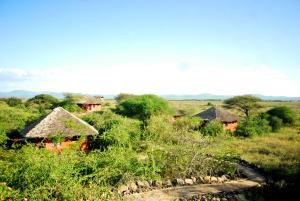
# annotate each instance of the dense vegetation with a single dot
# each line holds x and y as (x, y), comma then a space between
(139, 140)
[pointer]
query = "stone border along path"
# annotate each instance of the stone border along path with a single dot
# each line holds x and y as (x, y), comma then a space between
(254, 179)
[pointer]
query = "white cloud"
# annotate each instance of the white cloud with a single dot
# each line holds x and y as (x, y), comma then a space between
(159, 78)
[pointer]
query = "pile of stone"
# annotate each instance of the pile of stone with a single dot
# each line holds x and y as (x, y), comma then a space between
(223, 196)
(142, 186)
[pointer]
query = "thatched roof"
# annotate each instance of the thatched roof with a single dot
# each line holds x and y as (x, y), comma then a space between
(90, 100)
(59, 122)
(218, 114)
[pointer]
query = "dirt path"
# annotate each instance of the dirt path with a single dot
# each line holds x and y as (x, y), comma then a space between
(254, 179)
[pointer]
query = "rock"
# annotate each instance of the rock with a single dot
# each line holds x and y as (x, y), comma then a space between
(213, 179)
(167, 183)
(146, 184)
(194, 179)
(177, 182)
(132, 187)
(220, 179)
(200, 180)
(126, 192)
(224, 177)
(224, 199)
(215, 199)
(203, 198)
(150, 182)
(122, 189)
(206, 179)
(157, 184)
(188, 182)
(140, 183)
(143, 184)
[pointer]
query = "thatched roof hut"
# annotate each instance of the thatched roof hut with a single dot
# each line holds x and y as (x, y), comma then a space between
(87, 99)
(215, 113)
(59, 123)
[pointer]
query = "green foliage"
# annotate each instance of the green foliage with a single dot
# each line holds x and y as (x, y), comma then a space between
(13, 120)
(123, 96)
(252, 126)
(71, 107)
(144, 106)
(246, 103)
(114, 130)
(210, 104)
(42, 103)
(72, 98)
(13, 102)
(287, 115)
(3, 138)
(213, 128)
(159, 128)
(188, 123)
(275, 123)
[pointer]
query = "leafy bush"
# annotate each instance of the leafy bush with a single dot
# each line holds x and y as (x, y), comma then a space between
(287, 115)
(213, 128)
(3, 138)
(114, 130)
(159, 128)
(275, 123)
(42, 102)
(71, 107)
(144, 106)
(187, 123)
(13, 120)
(252, 126)
(13, 102)
(123, 96)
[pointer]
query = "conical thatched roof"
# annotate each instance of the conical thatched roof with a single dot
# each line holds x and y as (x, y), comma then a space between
(87, 99)
(218, 114)
(59, 122)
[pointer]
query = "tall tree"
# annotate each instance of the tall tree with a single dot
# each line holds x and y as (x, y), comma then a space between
(246, 103)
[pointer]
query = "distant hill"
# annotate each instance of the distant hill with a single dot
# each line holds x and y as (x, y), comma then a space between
(205, 96)
(29, 94)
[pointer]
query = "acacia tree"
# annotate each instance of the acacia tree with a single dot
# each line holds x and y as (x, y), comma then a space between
(246, 103)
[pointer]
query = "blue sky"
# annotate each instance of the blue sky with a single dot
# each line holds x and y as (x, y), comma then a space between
(151, 46)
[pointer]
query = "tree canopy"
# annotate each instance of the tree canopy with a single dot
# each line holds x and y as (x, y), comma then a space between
(246, 103)
(144, 106)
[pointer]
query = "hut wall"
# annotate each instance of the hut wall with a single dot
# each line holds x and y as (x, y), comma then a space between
(49, 145)
(91, 107)
(230, 126)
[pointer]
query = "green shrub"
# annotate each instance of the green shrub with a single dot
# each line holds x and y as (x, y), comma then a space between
(252, 126)
(213, 128)
(114, 130)
(187, 123)
(275, 123)
(123, 96)
(3, 138)
(14, 102)
(287, 115)
(159, 128)
(41, 103)
(71, 107)
(144, 106)
(13, 120)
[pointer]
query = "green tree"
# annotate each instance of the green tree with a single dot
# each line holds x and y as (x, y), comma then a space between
(14, 102)
(213, 128)
(287, 115)
(72, 97)
(42, 102)
(144, 106)
(123, 96)
(246, 103)
(252, 126)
